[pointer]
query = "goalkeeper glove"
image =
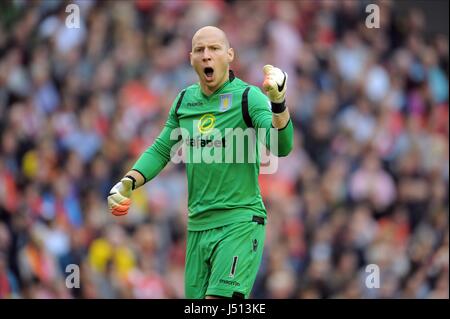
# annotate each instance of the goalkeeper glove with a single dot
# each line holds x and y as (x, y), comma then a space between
(275, 83)
(119, 197)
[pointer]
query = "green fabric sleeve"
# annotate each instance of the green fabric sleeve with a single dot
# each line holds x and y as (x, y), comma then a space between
(156, 157)
(261, 115)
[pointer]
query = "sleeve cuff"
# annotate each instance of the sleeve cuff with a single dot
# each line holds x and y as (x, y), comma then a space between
(278, 107)
(281, 129)
(145, 179)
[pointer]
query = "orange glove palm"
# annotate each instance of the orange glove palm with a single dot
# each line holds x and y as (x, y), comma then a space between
(119, 197)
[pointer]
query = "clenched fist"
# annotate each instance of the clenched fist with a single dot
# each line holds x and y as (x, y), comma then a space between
(275, 83)
(119, 197)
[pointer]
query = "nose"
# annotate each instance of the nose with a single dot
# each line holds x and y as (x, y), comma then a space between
(206, 55)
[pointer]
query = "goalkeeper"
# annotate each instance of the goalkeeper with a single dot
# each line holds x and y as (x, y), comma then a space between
(226, 214)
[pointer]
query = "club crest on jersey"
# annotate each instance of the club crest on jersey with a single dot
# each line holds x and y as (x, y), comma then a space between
(226, 101)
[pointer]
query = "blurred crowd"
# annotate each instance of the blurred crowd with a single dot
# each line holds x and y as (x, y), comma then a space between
(366, 184)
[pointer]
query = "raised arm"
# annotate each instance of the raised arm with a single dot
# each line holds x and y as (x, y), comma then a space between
(270, 112)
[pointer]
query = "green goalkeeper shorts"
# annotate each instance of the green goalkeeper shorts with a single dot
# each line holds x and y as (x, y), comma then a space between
(224, 261)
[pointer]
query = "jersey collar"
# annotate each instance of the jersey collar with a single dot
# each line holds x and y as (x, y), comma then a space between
(231, 75)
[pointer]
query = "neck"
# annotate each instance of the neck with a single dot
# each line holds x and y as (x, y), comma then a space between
(208, 90)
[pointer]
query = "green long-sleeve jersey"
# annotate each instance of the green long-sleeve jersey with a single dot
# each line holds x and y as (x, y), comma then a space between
(222, 171)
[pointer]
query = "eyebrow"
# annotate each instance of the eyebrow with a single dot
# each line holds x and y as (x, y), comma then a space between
(207, 45)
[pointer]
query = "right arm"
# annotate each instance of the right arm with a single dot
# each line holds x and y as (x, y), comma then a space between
(148, 165)
(156, 157)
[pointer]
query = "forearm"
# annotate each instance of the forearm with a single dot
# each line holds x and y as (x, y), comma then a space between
(156, 157)
(285, 131)
(280, 120)
(285, 139)
(138, 178)
(149, 164)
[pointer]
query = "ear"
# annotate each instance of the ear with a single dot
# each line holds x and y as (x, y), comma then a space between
(230, 55)
(190, 58)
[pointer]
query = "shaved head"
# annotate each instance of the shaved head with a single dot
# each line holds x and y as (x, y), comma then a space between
(211, 32)
(211, 56)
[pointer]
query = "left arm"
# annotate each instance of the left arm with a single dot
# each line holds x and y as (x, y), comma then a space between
(280, 120)
(274, 118)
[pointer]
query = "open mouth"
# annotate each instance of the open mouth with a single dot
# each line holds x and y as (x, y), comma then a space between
(208, 73)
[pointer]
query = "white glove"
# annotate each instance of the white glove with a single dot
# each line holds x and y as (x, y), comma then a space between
(119, 197)
(275, 83)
